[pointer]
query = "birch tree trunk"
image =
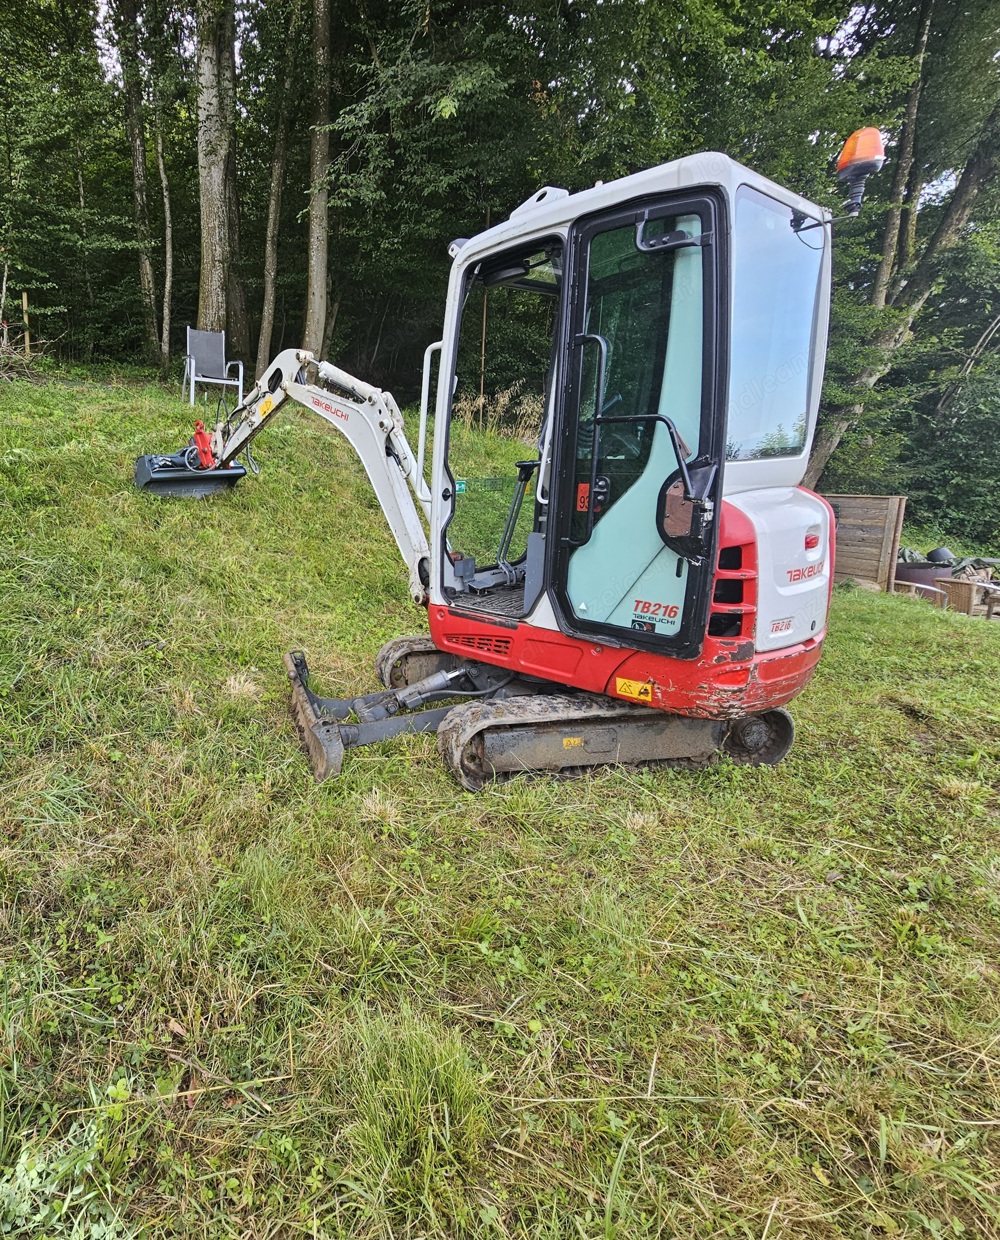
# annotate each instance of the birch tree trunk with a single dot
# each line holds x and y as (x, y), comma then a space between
(168, 252)
(214, 138)
(316, 259)
(126, 26)
(4, 336)
(88, 337)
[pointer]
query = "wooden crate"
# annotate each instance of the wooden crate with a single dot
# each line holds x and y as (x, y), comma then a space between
(868, 531)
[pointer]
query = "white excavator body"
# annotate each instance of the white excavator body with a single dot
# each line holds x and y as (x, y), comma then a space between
(666, 336)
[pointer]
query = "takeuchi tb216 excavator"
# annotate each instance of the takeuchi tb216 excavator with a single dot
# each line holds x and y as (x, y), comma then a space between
(641, 578)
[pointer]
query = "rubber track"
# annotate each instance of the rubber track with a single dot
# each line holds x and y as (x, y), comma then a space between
(466, 722)
(400, 646)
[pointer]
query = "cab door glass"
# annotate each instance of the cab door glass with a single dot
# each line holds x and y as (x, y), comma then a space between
(641, 343)
(502, 384)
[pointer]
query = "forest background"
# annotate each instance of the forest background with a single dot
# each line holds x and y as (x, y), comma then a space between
(292, 172)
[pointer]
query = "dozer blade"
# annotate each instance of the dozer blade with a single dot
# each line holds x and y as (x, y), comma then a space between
(320, 737)
(169, 475)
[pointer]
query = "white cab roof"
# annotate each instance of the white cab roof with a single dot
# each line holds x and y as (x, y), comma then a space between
(553, 210)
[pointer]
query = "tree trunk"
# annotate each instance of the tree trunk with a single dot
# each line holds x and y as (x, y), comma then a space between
(168, 251)
(378, 338)
(237, 321)
(825, 443)
(978, 349)
(316, 259)
(904, 164)
(332, 311)
(279, 160)
(126, 24)
(908, 229)
(980, 170)
(214, 140)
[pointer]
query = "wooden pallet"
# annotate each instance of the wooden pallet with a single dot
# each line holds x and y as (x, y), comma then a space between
(868, 532)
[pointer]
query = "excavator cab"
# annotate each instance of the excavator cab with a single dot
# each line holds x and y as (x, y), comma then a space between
(641, 347)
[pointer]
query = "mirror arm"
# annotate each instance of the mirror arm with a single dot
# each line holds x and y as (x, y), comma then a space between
(799, 225)
(696, 497)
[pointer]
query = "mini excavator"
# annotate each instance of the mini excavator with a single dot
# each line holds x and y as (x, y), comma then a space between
(645, 581)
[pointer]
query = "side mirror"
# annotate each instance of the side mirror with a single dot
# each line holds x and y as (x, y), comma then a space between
(682, 519)
(862, 155)
(677, 519)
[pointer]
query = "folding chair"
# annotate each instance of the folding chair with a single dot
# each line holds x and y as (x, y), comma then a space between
(206, 362)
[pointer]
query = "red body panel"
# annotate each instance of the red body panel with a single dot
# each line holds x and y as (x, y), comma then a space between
(729, 679)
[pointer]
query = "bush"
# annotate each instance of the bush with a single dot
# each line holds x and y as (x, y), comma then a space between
(954, 463)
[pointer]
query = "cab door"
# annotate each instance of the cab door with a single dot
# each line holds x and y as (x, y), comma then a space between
(640, 459)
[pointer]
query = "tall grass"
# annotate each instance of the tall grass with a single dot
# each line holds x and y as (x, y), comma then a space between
(511, 412)
(416, 1123)
(732, 1002)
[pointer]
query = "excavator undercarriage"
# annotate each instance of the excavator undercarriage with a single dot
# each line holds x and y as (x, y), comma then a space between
(510, 724)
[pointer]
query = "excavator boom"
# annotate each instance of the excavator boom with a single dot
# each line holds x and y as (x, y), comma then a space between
(366, 416)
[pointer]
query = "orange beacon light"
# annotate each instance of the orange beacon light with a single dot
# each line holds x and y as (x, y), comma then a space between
(862, 155)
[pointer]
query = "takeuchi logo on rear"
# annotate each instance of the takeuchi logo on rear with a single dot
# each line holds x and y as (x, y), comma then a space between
(806, 571)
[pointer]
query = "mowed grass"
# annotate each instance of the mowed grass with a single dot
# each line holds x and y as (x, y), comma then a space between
(752, 1003)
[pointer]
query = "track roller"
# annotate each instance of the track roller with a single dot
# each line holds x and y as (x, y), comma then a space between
(760, 740)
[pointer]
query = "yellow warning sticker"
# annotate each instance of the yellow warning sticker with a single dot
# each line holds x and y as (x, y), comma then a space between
(266, 405)
(640, 690)
(572, 742)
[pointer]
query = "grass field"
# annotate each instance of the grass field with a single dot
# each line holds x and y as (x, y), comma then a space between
(751, 1003)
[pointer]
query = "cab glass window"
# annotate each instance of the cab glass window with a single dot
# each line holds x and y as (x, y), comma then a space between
(776, 284)
(502, 384)
(641, 360)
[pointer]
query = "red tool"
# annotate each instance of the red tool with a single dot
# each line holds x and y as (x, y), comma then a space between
(203, 442)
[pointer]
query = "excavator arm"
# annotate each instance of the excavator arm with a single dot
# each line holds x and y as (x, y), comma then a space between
(366, 416)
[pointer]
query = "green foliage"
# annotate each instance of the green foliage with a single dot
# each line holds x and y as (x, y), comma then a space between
(63, 236)
(65, 1187)
(417, 1117)
(889, 446)
(446, 116)
(953, 462)
(926, 430)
